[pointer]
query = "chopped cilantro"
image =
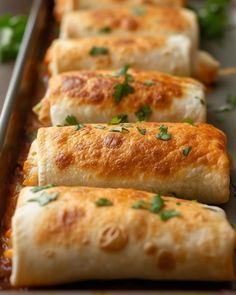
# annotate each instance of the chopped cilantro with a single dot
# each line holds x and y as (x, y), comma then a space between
(105, 30)
(186, 150)
(120, 129)
(45, 198)
(36, 189)
(164, 135)
(103, 202)
(142, 131)
(95, 51)
(166, 215)
(156, 204)
(143, 113)
(122, 118)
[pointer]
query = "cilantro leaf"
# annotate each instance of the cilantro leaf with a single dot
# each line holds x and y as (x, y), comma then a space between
(188, 120)
(186, 150)
(121, 90)
(163, 135)
(40, 188)
(139, 205)
(119, 129)
(166, 215)
(11, 34)
(122, 71)
(143, 113)
(213, 18)
(79, 126)
(122, 118)
(95, 51)
(105, 30)
(103, 202)
(71, 120)
(45, 198)
(156, 204)
(100, 126)
(142, 131)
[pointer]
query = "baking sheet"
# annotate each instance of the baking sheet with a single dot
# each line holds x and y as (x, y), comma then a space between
(15, 8)
(226, 53)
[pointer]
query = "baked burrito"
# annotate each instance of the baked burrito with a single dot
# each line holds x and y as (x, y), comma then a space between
(167, 54)
(93, 96)
(142, 20)
(63, 235)
(64, 6)
(186, 160)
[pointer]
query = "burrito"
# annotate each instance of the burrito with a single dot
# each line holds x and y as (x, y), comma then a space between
(91, 97)
(63, 235)
(141, 20)
(167, 54)
(64, 6)
(182, 159)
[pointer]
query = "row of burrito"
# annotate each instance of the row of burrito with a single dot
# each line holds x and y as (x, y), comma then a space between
(79, 214)
(150, 38)
(108, 195)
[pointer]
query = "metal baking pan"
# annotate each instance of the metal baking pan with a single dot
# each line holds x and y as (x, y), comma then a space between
(13, 118)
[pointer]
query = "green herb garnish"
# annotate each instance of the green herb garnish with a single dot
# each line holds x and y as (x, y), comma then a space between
(149, 83)
(139, 11)
(143, 113)
(229, 106)
(122, 118)
(188, 120)
(142, 131)
(140, 205)
(79, 126)
(213, 18)
(119, 129)
(122, 71)
(156, 204)
(100, 126)
(163, 135)
(124, 88)
(11, 34)
(45, 198)
(41, 188)
(186, 150)
(121, 90)
(71, 121)
(105, 30)
(103, 202)
(95, 51)
(166, 215)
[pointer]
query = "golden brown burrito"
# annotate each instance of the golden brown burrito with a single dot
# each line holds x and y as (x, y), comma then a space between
(91, 97)
(64, 6)
(171, 55)
(171, 158)
(63, 235)
(141, 20)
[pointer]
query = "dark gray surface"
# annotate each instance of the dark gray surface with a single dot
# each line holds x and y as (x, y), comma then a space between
(225, 52)
(14, 7)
